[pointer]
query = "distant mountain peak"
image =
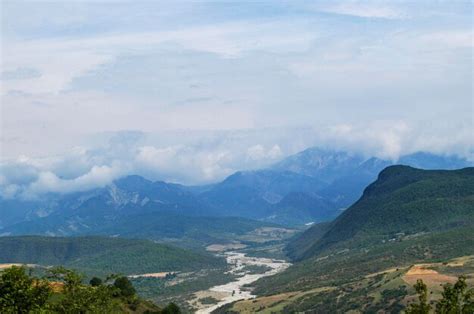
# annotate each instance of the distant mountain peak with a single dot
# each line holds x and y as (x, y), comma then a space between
(132, 182)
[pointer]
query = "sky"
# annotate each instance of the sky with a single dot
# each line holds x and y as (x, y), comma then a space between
(191, 91)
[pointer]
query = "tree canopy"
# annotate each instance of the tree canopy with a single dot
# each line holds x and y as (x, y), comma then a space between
(455, 299)
(64, 291)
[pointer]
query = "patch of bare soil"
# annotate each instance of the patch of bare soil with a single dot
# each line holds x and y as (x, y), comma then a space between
(151, 275)
(8, 265)
(429, 276)
(225, 247)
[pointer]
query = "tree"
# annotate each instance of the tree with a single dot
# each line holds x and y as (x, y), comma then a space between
(423, 307)
(79, 298)
(171, 308)
(95, 282)
(19, 293)
(456, 298)
(124, 286)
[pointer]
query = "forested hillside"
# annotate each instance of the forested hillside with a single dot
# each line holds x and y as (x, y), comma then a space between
(403, 202)
(103, 255)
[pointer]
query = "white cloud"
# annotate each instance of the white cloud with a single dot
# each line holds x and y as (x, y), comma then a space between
(98, 176)
(258, 152)
(49, 182)
(205, 157)
(193, 159)
(192, 164)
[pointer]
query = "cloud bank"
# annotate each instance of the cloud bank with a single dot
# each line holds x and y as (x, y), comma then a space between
(207, 157)
(211, 88)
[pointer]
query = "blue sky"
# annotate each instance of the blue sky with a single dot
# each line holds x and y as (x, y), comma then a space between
(192, 91)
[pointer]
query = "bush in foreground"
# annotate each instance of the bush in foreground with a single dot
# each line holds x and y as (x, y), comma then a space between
(63, 291)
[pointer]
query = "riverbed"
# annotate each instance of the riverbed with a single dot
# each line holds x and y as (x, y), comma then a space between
(234, 291)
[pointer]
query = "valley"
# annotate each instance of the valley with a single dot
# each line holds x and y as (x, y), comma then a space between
(291, 252)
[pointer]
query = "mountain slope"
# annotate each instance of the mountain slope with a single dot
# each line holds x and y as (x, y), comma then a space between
(251, 193)
(326, 165)
(84, 212)
(163, 226)
(408, 216)
(189, 231)
(305, 241)
(403, 201)
(298, 207)
(345, 175)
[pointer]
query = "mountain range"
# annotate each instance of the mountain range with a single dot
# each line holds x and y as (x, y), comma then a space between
(312, 186)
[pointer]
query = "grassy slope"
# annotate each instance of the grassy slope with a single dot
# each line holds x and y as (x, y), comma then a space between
(344, 266)
(100, 254)
(303, 242)
(388, 291)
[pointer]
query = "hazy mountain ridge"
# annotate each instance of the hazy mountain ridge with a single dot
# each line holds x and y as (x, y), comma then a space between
(335, 178)
(311, 186)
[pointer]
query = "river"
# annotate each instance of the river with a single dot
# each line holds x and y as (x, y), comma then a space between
(232, 291)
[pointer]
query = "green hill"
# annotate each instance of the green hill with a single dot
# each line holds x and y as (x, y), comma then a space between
(95, 255)
(408, 216)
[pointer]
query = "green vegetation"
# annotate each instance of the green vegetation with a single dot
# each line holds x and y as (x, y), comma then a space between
(124, 286)
(256, 269)
(63, 291)
(208, 300)
(303, 242)
(456, 299)
(422, 307)
(344, 266)
(181, 288)
(95, 282)
(20, 293)
(100, 255)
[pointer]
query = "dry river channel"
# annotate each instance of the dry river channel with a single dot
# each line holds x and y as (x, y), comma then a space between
(234, 290)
